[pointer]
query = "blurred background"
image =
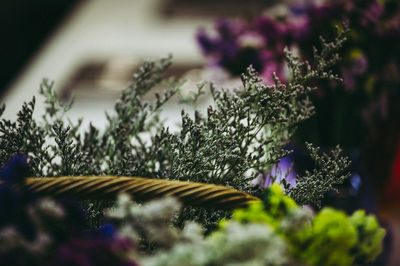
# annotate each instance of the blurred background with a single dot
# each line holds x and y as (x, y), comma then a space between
(91, 48)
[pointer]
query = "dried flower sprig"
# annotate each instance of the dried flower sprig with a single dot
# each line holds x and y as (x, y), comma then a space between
(328, 172)
(241, 137)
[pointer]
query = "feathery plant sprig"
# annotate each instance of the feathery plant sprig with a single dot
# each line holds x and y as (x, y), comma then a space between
(329, 171)
(240, 138)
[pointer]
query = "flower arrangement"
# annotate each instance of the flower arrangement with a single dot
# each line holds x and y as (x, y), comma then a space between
(275, 231)
(360, 113)
(239, 140)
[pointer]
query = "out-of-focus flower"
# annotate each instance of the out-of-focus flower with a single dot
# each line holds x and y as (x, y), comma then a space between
(15, 171)
(360, 108)
(251, 40)
(282, 171)
(12, 202)
(271, 29)
(238, 44)
(372, 14)
(358, 66)
(32, 228)
(92, 250)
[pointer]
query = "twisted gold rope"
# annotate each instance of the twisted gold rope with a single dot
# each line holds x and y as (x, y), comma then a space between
(107, 187)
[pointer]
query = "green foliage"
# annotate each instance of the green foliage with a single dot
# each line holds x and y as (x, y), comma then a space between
(274, 207)
(370, 236)
(329, 238)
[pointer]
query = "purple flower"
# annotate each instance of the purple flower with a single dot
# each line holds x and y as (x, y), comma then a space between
(283, 170)
(299, 9)
(358, 66)
(324, 11)
(17, 205)
(349, 80)
(108, 230)
(272, 63)
(298, 29)
(12, 201)
(372, 14)
(92, 251)
(393, 26)
(229, 30)
(270, 28)
(267, 73)
(207, 44)
(15, 170)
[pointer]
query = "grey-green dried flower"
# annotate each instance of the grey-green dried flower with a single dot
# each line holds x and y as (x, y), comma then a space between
(330, 170)
(240, 138)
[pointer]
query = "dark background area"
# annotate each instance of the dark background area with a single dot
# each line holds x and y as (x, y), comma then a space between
(25, 25)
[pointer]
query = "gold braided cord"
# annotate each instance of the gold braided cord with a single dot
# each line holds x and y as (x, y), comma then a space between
(107, 187)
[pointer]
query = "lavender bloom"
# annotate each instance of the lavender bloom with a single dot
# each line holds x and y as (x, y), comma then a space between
(283, 170)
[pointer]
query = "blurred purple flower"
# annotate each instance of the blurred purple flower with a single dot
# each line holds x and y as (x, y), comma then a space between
(298, 29)
(229, 30)
(92, 250)
(271, 29)
(108, 230)
(393, 26)
(15, 170)
(207, 44)
(323, 11)
(360, 65)
(349, 79)
(283, 170)
(372, 14)
(299, 8)
(12, 201)
(269, 69)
